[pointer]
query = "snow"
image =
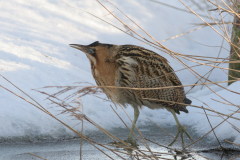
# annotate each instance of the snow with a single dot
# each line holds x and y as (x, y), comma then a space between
(35, 52)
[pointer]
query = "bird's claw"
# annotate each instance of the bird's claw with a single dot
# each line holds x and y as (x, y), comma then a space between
(181, 130)
(132, 142)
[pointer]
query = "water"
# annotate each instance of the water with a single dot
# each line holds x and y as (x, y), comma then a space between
(70, 149)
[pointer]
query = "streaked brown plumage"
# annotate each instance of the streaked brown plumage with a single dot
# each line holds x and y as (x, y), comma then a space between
(135, 67)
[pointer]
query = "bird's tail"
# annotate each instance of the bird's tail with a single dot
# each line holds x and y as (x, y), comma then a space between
(183, 107)
(187, 101)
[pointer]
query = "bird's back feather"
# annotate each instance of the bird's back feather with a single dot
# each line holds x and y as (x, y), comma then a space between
(142, 68)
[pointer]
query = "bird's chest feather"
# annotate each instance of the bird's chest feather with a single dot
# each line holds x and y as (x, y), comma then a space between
(105, 74)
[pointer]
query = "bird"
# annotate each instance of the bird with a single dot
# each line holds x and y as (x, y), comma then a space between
(126, 74)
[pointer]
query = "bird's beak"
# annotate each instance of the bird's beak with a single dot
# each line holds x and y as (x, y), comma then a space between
(86, 49)
(80, 47)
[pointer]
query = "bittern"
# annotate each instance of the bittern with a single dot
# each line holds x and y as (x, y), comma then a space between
(130, 66)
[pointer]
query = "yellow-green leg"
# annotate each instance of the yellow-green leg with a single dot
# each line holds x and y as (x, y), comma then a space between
(130, 137)
(181, 130)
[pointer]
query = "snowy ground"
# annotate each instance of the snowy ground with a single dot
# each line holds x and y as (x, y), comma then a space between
(35, 52)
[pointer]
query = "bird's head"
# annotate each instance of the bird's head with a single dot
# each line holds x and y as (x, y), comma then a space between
(96, 52)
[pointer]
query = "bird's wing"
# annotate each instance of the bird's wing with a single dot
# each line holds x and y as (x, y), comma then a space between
(141, 69)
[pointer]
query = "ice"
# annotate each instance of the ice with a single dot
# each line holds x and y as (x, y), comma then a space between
(35, 52)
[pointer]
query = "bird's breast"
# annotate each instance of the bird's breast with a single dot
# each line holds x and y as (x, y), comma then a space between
(105, 76)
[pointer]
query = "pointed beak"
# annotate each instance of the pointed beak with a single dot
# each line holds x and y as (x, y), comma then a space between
(85, 49)
(79, 47)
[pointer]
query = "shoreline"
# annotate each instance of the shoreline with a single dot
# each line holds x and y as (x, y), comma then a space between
(70, 149)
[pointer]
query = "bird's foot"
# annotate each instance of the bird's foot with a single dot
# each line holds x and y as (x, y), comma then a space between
(184, 154)
(181, 130)
(123, 145)
(132, 142)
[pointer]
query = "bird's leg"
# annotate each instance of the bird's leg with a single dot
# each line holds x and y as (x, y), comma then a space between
(181, 130)
(130, 137)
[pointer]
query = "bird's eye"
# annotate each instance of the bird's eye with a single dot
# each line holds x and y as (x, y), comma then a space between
(92, 51)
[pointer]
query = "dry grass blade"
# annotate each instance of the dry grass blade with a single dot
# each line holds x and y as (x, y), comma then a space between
(232, 12)
(219, 115)
(81, 143)
(199, 44)
(73, 111)
(214, 64)
(44, 110)
(167, 147)
(225, 29)
(160, 45)
(212, 61)
(210, 25)
(231, 142)
(178, 35)
(234, 157)
(23, 92)
(177, 139)
(214, 127)
(237, 129)
(114, 138)
(209, 64)
(229, 116)
(25, 100)
(215, 23)
(230, 8)
(145, 144)
(64, 104)
(207, 79)
(175, 7)
(163, 87)
(206, 56)
(221, 102)
(165, 131)
(37, 156)
(84, 88)
(108, 23)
